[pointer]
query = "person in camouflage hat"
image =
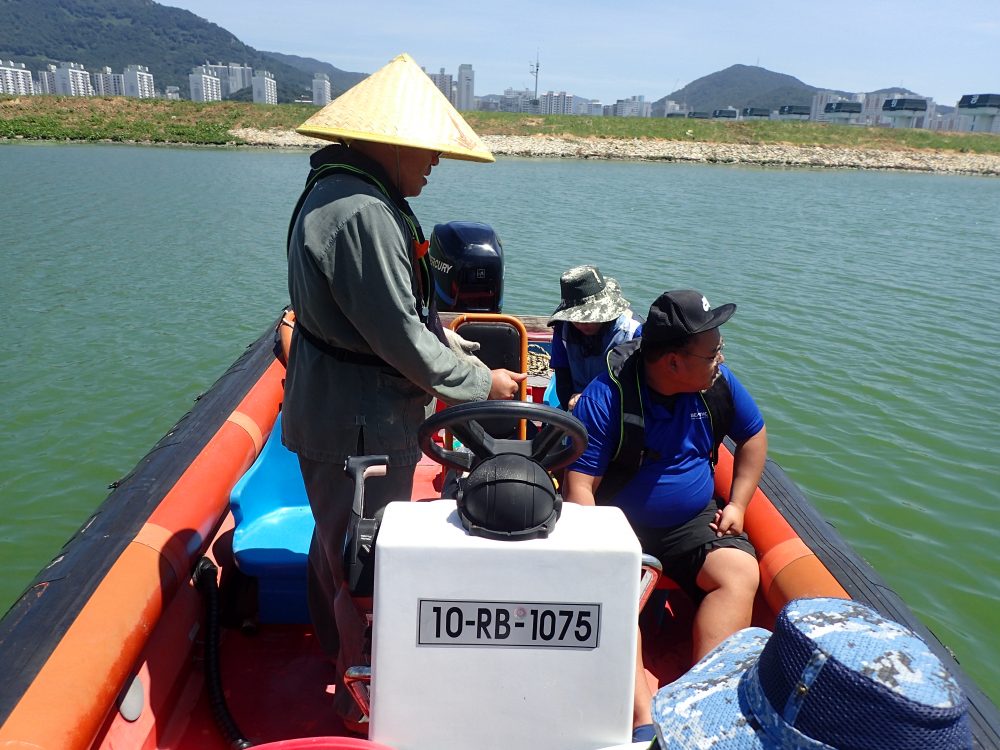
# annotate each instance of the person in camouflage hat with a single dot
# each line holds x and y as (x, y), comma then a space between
(592, 318)
(834, 674)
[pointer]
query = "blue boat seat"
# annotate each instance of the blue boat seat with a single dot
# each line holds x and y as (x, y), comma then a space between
(551, 397)
(274, 527)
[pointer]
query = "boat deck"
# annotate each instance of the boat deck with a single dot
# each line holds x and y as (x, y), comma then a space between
(279, 685)
(106, 650)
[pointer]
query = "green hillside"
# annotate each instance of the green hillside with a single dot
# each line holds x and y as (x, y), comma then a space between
(742, 86)
(117, 33)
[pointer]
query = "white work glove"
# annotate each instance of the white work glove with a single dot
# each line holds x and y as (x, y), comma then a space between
(463, 348)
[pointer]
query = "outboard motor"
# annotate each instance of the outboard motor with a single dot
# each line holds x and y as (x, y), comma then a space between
(466, 260)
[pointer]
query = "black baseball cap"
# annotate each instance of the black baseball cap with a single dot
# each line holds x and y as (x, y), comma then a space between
(681, 313)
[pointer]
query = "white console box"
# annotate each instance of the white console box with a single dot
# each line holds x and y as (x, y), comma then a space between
(499, 645)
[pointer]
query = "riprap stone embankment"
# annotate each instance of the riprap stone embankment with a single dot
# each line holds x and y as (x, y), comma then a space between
(769, 155)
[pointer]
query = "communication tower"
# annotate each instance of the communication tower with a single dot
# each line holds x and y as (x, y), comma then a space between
(533, 69)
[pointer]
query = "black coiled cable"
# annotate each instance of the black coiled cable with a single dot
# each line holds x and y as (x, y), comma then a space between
(206, 579)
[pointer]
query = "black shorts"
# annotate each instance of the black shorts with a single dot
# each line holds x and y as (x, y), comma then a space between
(682, 549)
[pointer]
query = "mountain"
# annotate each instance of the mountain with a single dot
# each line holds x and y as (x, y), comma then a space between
(117, 33)
(340, 80)
(742, 86)
(171, 41)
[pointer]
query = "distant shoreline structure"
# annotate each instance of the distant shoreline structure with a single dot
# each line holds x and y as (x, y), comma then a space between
(634, 149)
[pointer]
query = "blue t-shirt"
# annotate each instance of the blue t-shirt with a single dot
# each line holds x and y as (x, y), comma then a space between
(675, 481)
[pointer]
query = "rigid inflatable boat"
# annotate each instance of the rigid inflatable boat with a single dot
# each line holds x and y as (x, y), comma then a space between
(176, 618)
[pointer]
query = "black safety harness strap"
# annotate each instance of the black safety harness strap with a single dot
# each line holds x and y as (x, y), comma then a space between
(341, 354)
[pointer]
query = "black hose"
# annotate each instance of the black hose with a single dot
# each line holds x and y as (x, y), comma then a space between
(206, 579)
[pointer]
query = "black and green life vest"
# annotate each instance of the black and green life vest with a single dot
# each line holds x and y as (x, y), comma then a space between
(626, 372)
(425, 302)
(423, 269)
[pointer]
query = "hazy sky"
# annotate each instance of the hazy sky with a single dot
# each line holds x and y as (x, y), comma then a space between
(608, 50)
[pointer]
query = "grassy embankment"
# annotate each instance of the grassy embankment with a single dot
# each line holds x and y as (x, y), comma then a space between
(161, 121)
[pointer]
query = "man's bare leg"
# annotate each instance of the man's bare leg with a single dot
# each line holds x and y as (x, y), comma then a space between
(730, 577)
(642, 705)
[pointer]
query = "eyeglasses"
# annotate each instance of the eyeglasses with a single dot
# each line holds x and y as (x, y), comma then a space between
(714, 356)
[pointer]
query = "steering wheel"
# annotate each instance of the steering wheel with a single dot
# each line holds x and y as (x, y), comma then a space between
(464, 421)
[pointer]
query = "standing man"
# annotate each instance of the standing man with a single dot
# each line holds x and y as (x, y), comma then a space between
(368, 351)
(656, 419)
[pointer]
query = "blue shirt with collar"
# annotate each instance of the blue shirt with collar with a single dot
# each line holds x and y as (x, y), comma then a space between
(675, 481)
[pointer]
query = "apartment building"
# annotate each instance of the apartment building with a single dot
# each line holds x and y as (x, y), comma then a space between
(15, 79)
(265, 88)
(106, 83)
(321, 89)
(519, 101)
(550, 103)
(465, 97)
(634, 106)
(139, 82)
(232, 77)
(445, 83)
(204, 85)
(817, 110)
(72, 79)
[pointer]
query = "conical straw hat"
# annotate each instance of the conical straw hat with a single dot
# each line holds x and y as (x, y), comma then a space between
(400, 105)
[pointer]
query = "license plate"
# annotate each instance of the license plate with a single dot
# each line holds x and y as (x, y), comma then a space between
(520, 624)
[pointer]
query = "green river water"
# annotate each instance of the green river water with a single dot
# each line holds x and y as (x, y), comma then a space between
(866, 330)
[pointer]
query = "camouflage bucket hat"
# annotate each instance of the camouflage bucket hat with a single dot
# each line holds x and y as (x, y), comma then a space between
(588, 297)
(834, 674)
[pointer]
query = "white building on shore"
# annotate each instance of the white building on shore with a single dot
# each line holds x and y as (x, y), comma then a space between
(139, 82)
(72, 79)
(551, 103)
(634, 106)
(265, 88)
(465, 96)
(232, 77)
(204, 85)
(519, 101)
(321, 89)
(106, 83)
(46, 80)
(15, 79)
(445, 84)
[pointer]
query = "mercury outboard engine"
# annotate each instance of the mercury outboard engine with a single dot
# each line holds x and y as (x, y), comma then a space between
(466, 260)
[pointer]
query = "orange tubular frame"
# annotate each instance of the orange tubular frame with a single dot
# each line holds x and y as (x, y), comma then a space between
(788, 568)
(100, 649)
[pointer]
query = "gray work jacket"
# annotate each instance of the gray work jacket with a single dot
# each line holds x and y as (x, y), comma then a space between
(352, 284)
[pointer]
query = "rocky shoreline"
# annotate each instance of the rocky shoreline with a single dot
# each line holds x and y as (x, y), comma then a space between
(769, 155)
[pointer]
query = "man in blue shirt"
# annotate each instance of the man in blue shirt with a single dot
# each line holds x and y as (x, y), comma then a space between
(686, 399)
